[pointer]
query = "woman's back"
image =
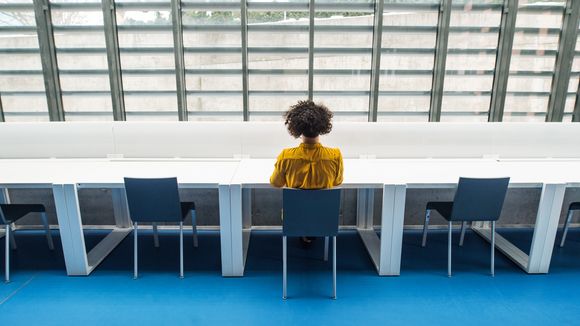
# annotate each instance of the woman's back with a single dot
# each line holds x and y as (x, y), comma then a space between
(308, 166)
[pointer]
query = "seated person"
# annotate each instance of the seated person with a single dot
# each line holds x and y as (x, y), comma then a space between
(310, 165)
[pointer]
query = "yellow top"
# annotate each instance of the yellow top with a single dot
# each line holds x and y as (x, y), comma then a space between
(308, 166)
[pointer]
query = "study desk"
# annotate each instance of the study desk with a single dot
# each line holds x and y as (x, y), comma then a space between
(66, 176)
(394, 176)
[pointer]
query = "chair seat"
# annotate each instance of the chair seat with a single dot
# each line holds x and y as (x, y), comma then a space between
(575, 206)
(14, 212)
(186, 207)
(442, 207)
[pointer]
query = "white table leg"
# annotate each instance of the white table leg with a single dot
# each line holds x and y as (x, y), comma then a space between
(237, 230)
(71, 229)
(385, 252)
(246, 221)
(77, 260)
(364, 208)
(120, 208)
(392, 223)
(225, 229)
(546, 227)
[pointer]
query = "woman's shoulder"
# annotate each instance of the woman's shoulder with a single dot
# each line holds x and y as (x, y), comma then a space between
(333, 151)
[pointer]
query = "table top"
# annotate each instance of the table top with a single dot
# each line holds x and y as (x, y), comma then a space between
(107, 173)
(209, 173)
(428, 173)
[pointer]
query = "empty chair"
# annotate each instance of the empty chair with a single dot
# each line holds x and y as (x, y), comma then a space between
(573, 207)
(475, 200)
(10, 213)
(310, 213)
(154, 201)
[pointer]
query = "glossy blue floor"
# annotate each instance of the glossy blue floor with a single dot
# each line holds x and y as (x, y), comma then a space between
(41, 294)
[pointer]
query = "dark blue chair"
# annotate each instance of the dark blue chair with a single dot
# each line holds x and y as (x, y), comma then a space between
(154, 201)
(571, 209)
(475, 200)
(310, 213)
(10, 213)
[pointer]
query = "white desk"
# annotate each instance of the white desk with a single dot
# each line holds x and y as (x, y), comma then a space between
(395, 176)
(66, 176)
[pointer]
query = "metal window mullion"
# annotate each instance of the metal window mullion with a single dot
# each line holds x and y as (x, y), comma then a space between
(564, 58)
(376, 60)
(179, 59)
(576, 114)
(1, 110)
(114, 60)
(502, 60)
(244, 35)
(48, 58)
(440, 60)
(311, 51)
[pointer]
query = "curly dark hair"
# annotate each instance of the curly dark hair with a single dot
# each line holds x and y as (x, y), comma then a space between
(309, 119)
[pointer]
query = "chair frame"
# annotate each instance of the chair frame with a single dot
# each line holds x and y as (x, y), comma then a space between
(156, 243)
(462, 234)
(10, 241)
(285, 264)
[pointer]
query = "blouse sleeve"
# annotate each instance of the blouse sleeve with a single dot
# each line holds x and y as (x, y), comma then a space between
(277, 179)
(340, 170)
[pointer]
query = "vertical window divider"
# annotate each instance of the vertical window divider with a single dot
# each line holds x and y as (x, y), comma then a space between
(1, 110)
(114, 59)
(48, 58)
(576, 115)
(440, 60)
(376, 60)
(502, 60)
(311, 50)
(244, 31)
(564, 58)
(177, 21)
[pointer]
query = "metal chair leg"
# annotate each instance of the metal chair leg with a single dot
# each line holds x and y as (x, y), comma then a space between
(284, 267)
(334, 267)
(426, 227)
(12, 238)
(180, 249)
(326, 241)
(135, 271)
(155, 235)
(47, 229)
(463, 227)
(493, 248)
(194, 227)
(449, 250)
(7, 254)
(566, 226)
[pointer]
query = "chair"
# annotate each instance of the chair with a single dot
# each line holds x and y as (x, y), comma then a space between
(475, 200)
(10, 213)
(157, 200)
(310, 213)
(573, 207)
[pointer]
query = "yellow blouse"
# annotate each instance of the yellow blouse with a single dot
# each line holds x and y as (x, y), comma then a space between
(308, 166)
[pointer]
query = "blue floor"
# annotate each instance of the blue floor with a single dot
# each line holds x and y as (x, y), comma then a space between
(41, 294)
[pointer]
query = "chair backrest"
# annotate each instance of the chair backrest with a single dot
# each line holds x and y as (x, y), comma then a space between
(153, 200)
(479, 199)
(312, 213)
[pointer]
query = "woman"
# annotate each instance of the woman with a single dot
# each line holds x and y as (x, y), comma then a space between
(310, 165)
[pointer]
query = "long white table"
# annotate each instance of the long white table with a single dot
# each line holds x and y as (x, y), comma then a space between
(235, 178)
(66, 176)
(394, 176)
